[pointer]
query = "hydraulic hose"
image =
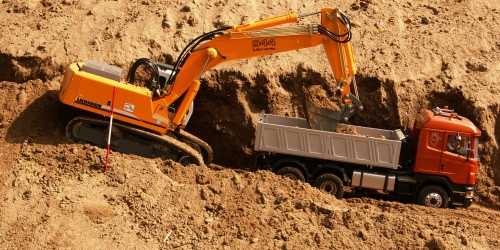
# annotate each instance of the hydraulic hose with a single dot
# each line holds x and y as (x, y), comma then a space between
(189, 48)
(145, 61)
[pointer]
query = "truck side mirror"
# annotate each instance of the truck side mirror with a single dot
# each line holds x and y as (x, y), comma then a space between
(407, 123)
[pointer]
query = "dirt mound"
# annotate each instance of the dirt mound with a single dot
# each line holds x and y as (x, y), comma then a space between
(321, 99)
(347, 130)
(410, 56)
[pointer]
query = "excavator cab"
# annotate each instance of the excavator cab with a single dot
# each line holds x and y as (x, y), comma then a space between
(165, 71)
(157, 75)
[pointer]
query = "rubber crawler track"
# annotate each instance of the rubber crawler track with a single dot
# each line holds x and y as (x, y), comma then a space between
(174, 143)
(193, 139)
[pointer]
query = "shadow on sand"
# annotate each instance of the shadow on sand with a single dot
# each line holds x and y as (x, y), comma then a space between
(42, 122)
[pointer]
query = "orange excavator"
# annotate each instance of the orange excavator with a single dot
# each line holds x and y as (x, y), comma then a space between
(150, 119)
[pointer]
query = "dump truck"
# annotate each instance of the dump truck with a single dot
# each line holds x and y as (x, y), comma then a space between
(435, 166)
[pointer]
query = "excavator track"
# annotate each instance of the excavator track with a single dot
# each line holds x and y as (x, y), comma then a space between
(191, 139)
(187, 149)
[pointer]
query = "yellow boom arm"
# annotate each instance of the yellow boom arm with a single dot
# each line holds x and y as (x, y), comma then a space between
(260, 38)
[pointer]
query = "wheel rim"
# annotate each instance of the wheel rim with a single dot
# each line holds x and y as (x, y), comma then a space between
(291, 176)
(433, 200)
(328, 187)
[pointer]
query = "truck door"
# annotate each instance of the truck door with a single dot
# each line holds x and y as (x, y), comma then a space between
(454, 163)
(430, 148)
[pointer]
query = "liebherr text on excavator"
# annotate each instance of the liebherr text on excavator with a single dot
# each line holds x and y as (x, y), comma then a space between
(151, 119)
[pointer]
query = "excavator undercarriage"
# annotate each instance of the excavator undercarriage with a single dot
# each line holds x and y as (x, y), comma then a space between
(179, 146)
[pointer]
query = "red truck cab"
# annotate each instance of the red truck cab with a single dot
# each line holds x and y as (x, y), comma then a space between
(446, 145)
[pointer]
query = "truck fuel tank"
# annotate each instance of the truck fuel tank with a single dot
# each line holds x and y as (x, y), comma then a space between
(364, 179)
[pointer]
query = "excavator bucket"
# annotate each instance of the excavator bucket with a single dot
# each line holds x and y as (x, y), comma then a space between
(323, 119)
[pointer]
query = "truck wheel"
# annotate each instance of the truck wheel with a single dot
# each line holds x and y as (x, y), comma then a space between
(433, 196)
(467, 204)
(292, 173)
(331, 184)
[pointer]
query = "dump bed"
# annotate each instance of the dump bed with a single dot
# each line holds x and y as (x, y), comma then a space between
(293, 136)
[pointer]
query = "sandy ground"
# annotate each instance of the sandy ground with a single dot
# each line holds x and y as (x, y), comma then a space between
(410, 56)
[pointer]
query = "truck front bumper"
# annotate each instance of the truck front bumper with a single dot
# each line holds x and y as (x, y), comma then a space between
(468, 201)
(463, 198)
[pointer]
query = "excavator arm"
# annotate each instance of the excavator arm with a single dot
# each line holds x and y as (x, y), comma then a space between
(259, 38)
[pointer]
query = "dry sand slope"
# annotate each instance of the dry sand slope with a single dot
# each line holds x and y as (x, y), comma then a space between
(410, 56)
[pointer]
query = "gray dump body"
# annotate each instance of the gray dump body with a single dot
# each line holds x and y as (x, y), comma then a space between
(293, 136)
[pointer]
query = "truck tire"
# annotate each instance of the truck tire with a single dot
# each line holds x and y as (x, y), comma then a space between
(433, 196)
(331, 184)
(467, 204)
(292, 173)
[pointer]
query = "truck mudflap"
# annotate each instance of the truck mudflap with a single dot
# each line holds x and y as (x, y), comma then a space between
(463, 197)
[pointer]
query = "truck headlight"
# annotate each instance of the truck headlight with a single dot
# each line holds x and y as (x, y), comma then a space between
(469, 194)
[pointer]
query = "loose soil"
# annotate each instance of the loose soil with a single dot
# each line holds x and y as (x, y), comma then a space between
(321, 99)
(411, 55)
(351, 130)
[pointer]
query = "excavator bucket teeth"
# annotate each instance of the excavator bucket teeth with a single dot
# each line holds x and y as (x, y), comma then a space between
(322, 119)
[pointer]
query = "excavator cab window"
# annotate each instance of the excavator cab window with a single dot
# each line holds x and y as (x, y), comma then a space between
(165, 71)
(162, 82)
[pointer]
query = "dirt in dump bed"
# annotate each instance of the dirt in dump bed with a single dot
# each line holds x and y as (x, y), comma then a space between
(322, 98)
(351, 130)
